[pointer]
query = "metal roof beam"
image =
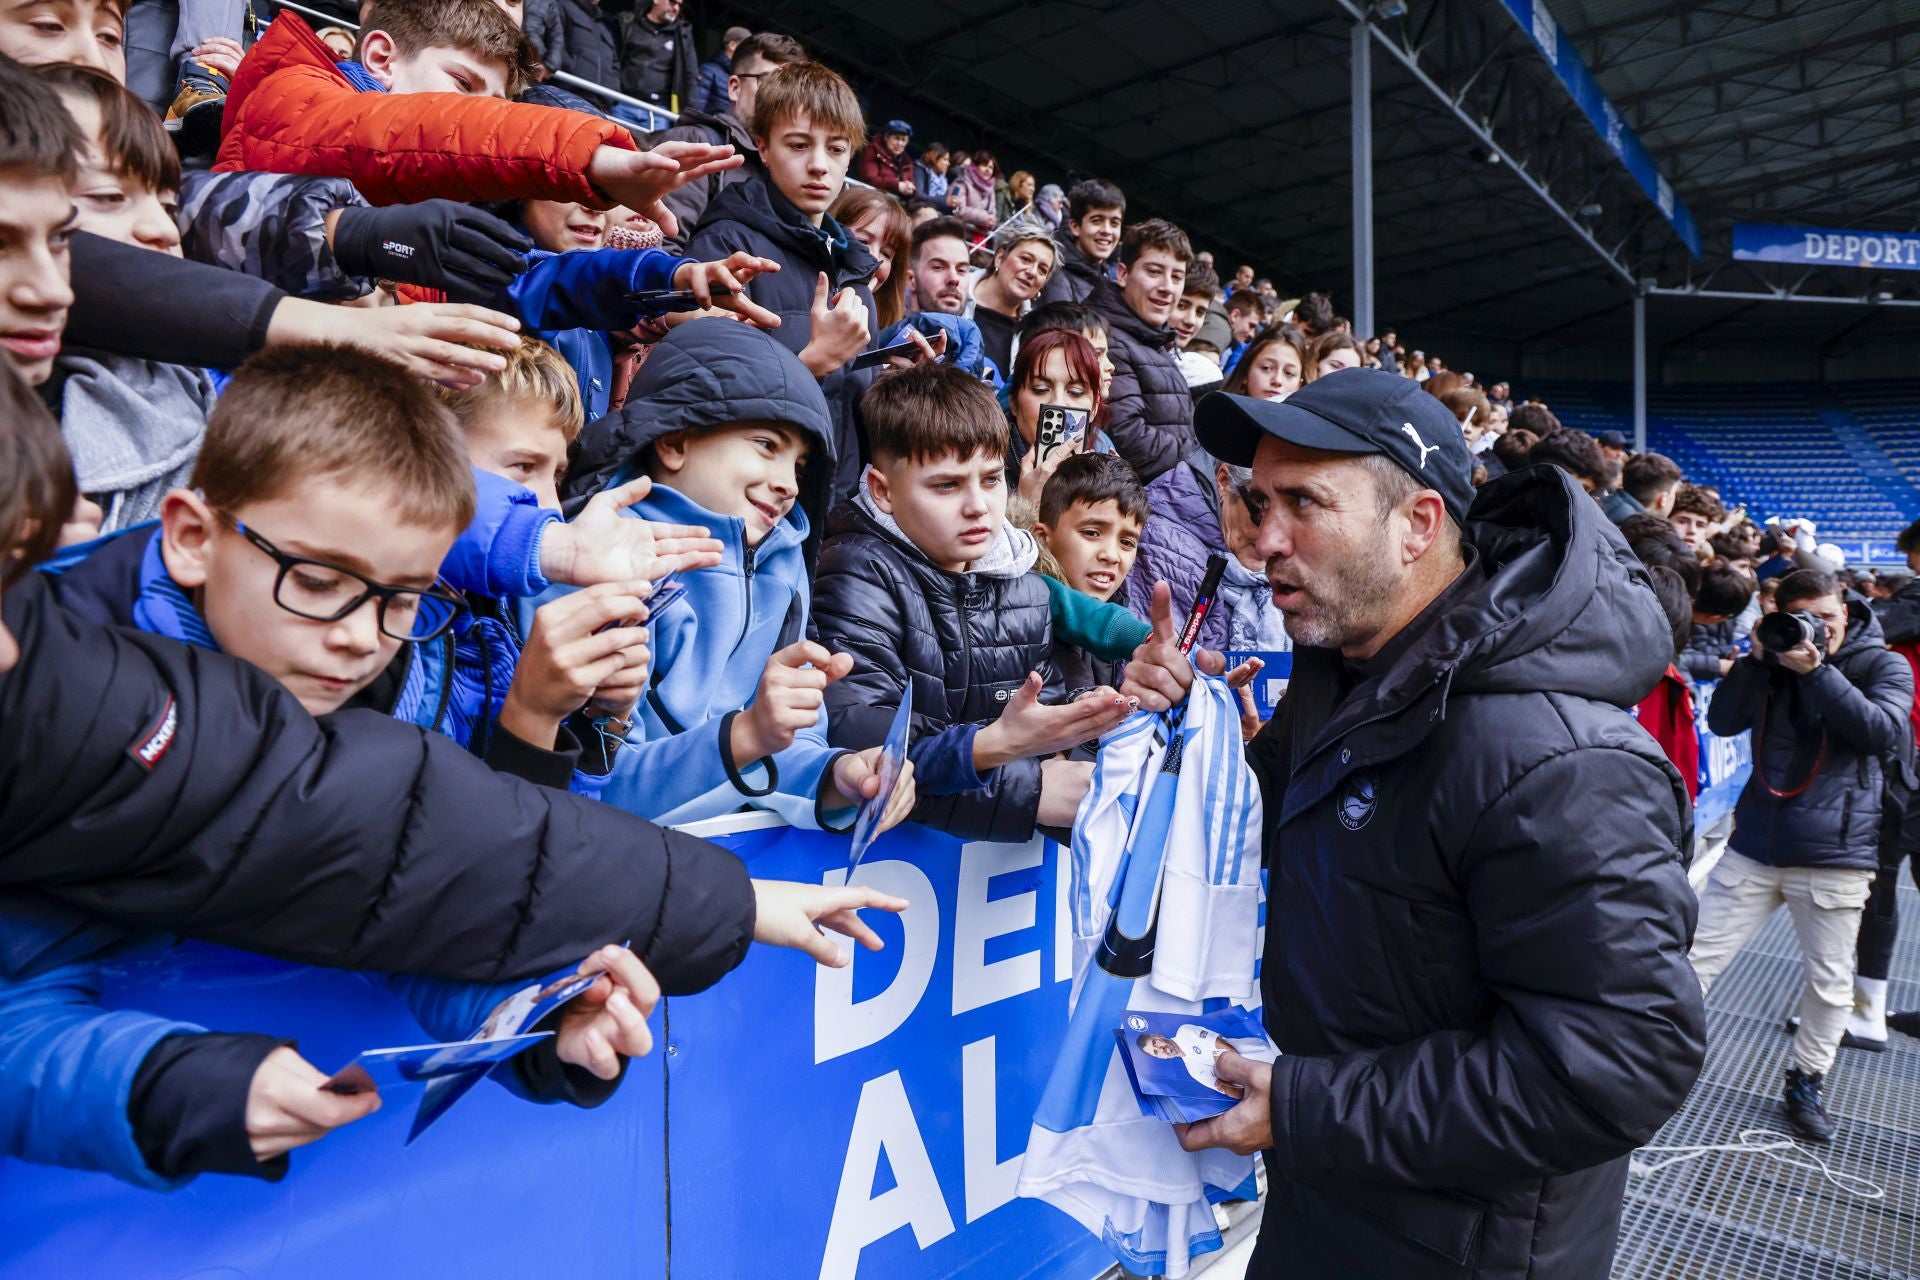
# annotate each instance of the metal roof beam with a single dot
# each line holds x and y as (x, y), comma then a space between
(1410, 62)
(1828, 48)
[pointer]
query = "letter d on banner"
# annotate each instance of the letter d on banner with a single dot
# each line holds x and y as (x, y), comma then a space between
(841, 1026)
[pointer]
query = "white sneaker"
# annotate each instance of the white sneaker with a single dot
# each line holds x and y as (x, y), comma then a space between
(1867, 1023)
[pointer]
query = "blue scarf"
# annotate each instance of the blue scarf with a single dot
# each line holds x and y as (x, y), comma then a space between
(163, 607)
(360, 77)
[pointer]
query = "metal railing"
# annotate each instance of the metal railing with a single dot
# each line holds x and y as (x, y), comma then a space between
(656, 117)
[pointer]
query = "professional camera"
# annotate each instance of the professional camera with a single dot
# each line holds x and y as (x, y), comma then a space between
(1779, 632)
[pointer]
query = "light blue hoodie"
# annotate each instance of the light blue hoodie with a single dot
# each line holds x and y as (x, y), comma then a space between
(709, 649)
(711, 645)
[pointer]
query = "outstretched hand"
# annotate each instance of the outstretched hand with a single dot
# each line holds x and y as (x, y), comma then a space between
(608, 1021)
(1159, 675)
(731, 274)
(641, 180)
(288, 1105)
(1029, 727)
(602, 545)
(856, 776)
(789, 914)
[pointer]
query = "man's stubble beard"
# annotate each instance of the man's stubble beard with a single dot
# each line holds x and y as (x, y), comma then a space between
(1345, 604)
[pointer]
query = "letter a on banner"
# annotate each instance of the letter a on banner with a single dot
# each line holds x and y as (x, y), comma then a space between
(883, 1119)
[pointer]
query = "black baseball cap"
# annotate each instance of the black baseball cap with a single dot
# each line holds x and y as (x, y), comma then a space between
(1350, 411)
(1613, 440)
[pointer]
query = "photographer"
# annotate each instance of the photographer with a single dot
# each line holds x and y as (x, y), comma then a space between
(1827, 702)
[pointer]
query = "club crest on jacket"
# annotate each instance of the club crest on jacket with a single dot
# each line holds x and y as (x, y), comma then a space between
(1357, 801)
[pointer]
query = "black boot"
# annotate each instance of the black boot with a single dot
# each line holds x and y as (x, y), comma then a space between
(1907, 1023)
(1806, 1109)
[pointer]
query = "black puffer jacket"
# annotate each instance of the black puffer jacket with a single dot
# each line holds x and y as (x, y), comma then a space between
(174, 788)
(1478, 918)
(689, 203)
(1076, 277)
(1834, 732)
(1150, 413)
(592, 51)
(963, 642)
(751, 215)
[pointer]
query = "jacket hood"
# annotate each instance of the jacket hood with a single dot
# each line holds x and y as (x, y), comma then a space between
(705, 373)
(1013, 554)
(1863, 627)
(828, 247)
(1562, 605)
(287, 42)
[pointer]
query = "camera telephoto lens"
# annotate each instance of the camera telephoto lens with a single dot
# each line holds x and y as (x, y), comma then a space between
(1779, 632)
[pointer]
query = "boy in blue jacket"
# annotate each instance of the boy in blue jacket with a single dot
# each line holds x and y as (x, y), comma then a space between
(735, 434)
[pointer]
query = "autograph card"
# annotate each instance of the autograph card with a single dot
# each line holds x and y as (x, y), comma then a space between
(421, 1063)
(1170, 1059)
(893, 755)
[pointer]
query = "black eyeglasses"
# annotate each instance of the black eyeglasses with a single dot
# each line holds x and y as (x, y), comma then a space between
(322, 592)
(751, 75)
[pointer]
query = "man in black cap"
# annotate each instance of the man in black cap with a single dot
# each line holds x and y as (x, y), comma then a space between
(1478, 912)
(1613, 447)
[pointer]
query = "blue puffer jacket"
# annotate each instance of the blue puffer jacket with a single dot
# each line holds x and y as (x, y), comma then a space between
(572, 300)
(710, 646)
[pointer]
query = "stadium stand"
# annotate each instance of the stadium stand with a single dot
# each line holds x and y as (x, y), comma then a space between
(1845, 455)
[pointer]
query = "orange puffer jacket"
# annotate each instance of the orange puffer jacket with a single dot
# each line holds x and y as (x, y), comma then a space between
(291, 110)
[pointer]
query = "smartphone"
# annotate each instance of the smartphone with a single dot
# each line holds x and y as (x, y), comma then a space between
(1060, 430)
(659, 302)
(868, 359)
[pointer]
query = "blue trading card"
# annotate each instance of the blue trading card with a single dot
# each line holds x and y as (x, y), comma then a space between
(664, 593)
(1171, 1057)
(1270, 683)
(422, 1063)
(893, 757)
(524, 1008)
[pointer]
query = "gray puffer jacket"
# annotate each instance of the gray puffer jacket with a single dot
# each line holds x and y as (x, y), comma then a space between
(1823, 746)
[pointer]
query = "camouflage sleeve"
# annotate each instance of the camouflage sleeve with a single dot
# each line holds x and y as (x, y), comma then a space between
(270, 225)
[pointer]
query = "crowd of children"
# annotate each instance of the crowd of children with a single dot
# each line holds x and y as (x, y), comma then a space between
(397, 398)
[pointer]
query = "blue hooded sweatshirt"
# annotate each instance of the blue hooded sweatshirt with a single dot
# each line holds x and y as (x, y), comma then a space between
(711, 645)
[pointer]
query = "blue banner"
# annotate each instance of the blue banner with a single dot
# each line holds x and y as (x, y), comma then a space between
(1724, 763)
(1533, 17)
(1818, 247)
(794, 1121)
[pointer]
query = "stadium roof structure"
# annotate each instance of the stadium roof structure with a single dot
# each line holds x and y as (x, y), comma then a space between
(1510, 202)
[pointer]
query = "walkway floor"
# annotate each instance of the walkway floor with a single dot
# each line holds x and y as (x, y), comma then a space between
(1737, 1216)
